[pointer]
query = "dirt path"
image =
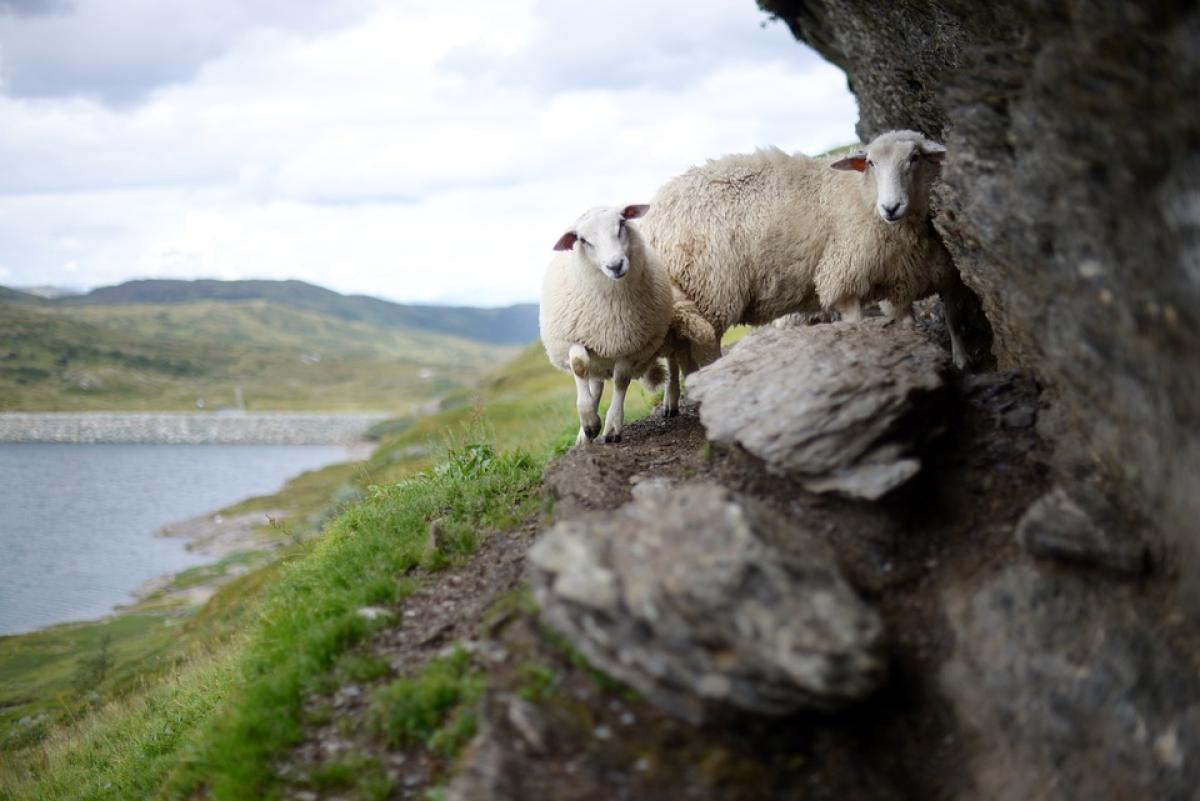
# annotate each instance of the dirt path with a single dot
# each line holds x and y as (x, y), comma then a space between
(584, 737)
(448, 610)
(953, 525)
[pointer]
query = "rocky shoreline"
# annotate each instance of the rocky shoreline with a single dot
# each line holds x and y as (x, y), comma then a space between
(187, 428)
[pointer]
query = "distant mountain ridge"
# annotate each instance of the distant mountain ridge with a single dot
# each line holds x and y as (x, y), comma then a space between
(509, 325)
(176, 346)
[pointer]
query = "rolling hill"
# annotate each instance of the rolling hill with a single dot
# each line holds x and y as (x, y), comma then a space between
(16, 296)
(511, 325)
(279, 345)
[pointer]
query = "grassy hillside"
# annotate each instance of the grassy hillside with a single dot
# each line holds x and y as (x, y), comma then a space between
(172, 355)
(16, 296)
(511, 325)
(198, 707)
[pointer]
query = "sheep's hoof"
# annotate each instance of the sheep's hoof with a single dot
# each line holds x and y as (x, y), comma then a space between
(614, 437)
(591, 431)
(669, 412)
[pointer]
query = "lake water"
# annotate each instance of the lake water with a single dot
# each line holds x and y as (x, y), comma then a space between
(78, 522)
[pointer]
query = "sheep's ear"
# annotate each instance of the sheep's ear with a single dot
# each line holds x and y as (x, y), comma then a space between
(857, 162)
(932, 151)
(566, 241)
(635, 211)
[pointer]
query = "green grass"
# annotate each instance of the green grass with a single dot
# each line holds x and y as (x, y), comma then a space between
(434, 709)
(126, 749)
(310, 617)
(147, 357)
(353, 772)
(55, 674)
(735, 334)
(537, 682)
(234, 674)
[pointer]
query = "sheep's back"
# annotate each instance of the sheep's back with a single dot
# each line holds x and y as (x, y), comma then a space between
(728, 234)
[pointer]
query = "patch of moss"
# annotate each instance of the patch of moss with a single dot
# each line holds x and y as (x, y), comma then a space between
(434, 708)
(353, 772)
(536, 682)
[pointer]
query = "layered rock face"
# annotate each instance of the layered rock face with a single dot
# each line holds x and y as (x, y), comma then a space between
(680, 594)
(841, 406)
(851, 574)
(1071, 204)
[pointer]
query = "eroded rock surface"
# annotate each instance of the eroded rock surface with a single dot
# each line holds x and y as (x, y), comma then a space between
(1073, 692)
(679, 595)
(844, 406)
(1070, 201)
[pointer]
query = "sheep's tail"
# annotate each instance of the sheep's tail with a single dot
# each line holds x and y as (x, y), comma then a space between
(654, 377)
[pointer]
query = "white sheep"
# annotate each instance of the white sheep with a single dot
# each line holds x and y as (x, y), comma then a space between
(606, 311)
(750, 238)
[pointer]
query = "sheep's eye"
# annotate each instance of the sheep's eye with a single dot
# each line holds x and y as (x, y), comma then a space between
(870, 163)
(584, 242)
(914, 157)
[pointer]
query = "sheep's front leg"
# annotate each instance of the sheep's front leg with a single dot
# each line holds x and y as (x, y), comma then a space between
(589, 420)
(597, 387)
(850, 310)
(614, 423)
(671, 396)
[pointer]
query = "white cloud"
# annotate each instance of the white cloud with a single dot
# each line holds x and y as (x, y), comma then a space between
(374, 157)
(118, 50)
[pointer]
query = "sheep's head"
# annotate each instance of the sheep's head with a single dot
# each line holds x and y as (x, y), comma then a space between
(601, 238)
(898, 168)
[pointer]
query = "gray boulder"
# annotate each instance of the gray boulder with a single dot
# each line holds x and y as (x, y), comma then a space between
(844, 407)
(678, 595)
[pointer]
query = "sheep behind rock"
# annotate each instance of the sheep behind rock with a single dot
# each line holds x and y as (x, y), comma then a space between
(606, 309)
(752, 237)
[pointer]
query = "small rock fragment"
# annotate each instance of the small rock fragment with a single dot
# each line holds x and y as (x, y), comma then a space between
(1020, 417)
(1057, 527)
(528, 723)
(373, 612)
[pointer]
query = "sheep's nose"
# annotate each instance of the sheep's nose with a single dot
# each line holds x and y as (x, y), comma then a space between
(891, 210)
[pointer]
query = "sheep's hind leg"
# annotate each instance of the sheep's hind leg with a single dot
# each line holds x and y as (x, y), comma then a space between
(589, 421)
(597, 388)
(897, 312)
(671, 396)
(957, 299)
(614, 423)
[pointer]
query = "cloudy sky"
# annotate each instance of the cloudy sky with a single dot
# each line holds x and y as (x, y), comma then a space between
(419, 151)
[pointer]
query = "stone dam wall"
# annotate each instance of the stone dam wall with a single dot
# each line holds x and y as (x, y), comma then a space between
(187, 428)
